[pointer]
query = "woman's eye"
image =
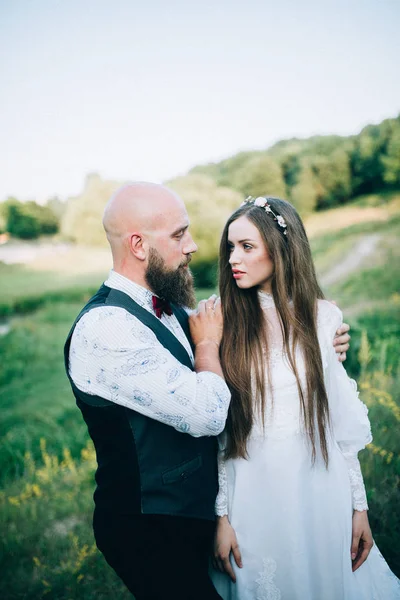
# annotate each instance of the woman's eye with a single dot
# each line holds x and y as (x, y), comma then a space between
(247, 246)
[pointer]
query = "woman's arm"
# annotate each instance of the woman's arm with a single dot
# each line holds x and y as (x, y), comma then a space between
(221, 502)
(352, 432)
(225, 541)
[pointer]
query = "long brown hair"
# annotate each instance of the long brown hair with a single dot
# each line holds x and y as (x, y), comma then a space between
(244, 337)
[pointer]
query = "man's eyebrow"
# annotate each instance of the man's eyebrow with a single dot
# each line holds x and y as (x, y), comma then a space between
(182, 228)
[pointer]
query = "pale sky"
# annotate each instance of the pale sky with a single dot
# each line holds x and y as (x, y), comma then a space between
(146, 90)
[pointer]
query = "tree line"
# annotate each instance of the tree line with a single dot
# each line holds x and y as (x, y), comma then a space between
(319, 172)
(314, 174)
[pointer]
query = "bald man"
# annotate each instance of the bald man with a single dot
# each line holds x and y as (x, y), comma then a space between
(154, 399)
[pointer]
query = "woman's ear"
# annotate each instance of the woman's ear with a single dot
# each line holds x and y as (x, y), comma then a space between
(137, 246)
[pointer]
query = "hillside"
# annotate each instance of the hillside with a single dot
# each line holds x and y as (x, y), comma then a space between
(318, 172)
(315, 174)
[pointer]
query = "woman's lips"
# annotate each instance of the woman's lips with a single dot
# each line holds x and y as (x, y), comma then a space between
(238, 274)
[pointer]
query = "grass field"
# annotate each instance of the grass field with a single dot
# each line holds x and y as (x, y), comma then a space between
(68, 277)
(47, 463)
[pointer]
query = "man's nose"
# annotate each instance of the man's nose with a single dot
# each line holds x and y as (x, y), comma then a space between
(190, 246)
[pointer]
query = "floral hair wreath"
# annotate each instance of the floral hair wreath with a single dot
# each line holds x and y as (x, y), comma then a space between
(263, 203)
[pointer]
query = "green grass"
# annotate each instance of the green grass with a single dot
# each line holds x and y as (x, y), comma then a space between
(47, 544)
(378, 280)
(371, 298)
(372, 200)
(24, 290)
(378, 277)
(381, 461)
(36, 396)
(46, 502)
(339, 243)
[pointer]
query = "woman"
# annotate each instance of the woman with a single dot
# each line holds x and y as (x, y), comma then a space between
(292, 508)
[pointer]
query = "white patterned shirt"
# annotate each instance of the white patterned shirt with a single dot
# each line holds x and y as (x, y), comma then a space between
(115, 356)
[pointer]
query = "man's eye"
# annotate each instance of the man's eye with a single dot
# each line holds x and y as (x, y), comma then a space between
(179, 236)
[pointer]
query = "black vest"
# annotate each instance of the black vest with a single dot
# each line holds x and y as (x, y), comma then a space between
(145, 466)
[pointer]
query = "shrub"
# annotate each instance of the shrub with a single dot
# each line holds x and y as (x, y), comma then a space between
(205, 273)
(28, 220)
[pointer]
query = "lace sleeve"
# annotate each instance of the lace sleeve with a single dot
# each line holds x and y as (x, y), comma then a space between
(349, 416)
(356, 480)
(221, 503)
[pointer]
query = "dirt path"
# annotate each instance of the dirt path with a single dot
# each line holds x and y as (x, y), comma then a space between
(56, 256)
(28, 252)
(364, 248)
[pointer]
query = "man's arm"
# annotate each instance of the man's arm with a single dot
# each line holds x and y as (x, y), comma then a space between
(113, 355)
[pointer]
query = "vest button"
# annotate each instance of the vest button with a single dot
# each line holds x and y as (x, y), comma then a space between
(183, 475)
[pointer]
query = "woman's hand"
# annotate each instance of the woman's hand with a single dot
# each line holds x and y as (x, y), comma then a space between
(206, 322)
(362, 541)
(341, 341)
(225, 542)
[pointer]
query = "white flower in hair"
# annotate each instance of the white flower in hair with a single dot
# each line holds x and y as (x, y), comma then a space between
(281, 221)
(263, 203)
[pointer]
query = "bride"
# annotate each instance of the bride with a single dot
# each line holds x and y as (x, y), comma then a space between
(292, 508)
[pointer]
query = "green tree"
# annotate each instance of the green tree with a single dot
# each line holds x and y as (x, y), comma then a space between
(368, 164)
(291, 169)
(209, 206)
(57, 207)
(223, 172)
(391, 160)
(82, 219)
(28, 220)
(48, 222)
(21, 223)
(304, 194)
(3, 217)
(260, 176)
(334, 177)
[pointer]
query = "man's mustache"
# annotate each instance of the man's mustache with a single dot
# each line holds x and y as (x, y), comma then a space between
(187, 261)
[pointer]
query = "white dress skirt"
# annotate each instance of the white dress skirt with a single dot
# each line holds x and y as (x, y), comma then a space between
(293, 521)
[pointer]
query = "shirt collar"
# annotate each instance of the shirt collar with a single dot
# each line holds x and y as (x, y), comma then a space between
(138, 293)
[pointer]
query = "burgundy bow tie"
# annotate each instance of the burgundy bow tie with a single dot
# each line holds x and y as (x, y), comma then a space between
(161, 306)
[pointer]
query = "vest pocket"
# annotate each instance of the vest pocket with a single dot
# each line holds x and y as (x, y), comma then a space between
(182, 471)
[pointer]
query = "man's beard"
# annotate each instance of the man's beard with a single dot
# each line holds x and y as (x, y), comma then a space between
(175, 286)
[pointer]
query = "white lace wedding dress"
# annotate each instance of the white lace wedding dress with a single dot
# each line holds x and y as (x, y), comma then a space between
(293, 520)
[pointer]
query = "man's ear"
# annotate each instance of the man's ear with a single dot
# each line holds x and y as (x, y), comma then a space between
(137, 246)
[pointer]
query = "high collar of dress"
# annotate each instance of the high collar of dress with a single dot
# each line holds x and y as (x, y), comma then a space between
(266, 300)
